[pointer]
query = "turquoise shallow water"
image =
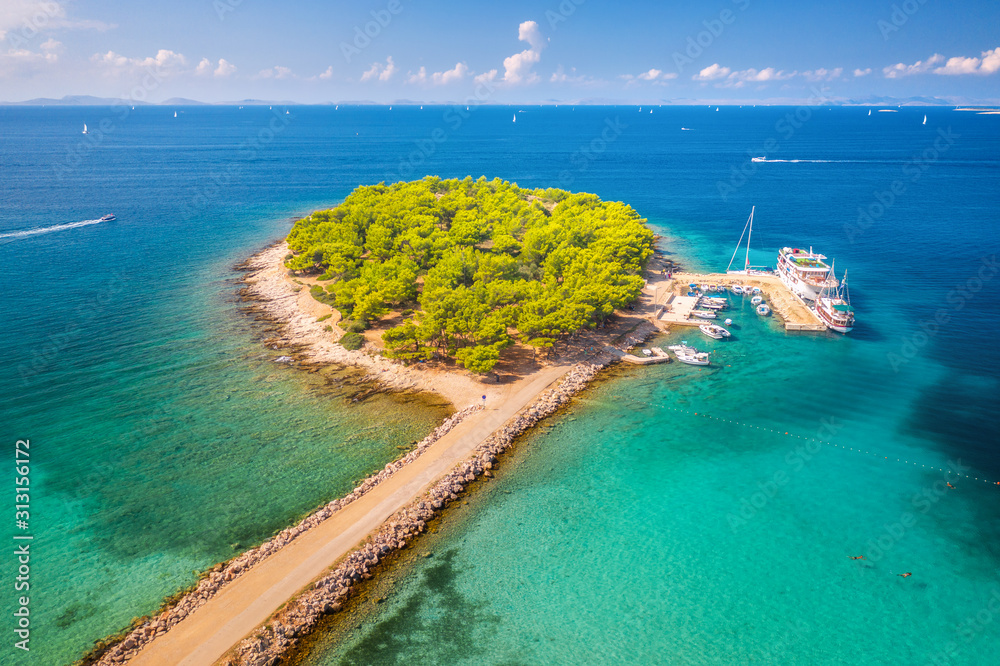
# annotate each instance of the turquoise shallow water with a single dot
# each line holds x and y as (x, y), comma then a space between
(163, 434)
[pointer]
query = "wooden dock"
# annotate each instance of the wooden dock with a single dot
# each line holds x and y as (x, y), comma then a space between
(659, 356)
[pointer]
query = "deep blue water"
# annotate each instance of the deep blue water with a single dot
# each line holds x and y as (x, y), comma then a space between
(163, 434)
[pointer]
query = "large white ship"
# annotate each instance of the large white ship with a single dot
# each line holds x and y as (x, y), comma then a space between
(804, 273)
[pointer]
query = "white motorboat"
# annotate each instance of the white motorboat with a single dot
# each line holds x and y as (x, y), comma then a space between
(703, 314)
(714, 306)
(692, 358)
(757, 300)
(714, 331)
(110, 217)
(728, 322)
(737, 289)
(763, 310)
(683, 347)
(647, 352)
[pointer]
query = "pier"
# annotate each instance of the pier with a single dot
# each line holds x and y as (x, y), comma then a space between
(666, 302)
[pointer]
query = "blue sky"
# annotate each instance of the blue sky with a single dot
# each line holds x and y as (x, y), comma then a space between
(515, 51)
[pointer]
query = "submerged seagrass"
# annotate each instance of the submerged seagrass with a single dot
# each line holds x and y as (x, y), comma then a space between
(473, 265)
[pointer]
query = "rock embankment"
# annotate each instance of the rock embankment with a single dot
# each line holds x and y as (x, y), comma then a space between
(223, 573)
(328, 595)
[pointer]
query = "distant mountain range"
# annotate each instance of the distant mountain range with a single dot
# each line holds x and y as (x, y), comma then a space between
(871, 100)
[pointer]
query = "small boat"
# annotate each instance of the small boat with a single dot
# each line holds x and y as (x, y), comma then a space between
(714, 331)
(755, 290)
(85, 131)
(647, 352)
(763, 310)
(692, 358)
(869, 112)
(756, 300)
(704, 288)
(758, 159)
(728, 322)
(515, 117)
(175, 114)
(109, 218)
(925, 120)
(714, 306)
(737, 289)
(683, 347)
(703, 314)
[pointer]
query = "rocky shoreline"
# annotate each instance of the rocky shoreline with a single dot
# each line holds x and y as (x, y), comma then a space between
(300, 616)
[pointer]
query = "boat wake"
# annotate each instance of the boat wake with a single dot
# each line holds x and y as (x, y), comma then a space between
(47, 230)
(763, 159)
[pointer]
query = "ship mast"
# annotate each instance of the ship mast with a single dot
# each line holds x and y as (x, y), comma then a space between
(749, 225)
(746, 266)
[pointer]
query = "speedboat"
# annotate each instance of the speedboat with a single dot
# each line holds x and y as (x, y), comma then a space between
(737, 289)
(758, 159)
(647, 352)
(713, 305)
(108, 218)
(703, 314)
(763, 310)
(757, 300)
(692, 358)
(714, 331)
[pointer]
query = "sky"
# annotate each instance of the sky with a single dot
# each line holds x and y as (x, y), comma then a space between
(516, 51)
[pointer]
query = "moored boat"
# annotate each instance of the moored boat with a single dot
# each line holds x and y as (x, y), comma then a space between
(756, 300)
(763, 309)
(703, 314)
(806, 274)
(699, 358)
(737, 289)
(833, 306)
(714, 331)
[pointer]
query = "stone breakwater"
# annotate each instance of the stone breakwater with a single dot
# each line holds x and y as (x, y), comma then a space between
(225, 572)
(299, 617)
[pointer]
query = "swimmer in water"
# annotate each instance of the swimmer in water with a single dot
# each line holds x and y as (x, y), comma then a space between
(904, 575)
(858, 557)
(949, 485)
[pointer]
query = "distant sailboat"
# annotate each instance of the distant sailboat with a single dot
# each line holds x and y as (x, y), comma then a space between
(515, 117)
(869, 112)
(85, 129)
(175, 114)
(716, 108)
(925, 120)
(287, 112)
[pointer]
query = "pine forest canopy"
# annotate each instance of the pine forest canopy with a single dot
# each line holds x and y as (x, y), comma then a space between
(473, 264)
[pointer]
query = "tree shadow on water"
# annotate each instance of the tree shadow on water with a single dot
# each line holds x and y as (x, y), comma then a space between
(436, 624)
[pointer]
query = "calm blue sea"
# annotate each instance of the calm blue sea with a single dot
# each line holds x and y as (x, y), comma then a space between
(668, 518)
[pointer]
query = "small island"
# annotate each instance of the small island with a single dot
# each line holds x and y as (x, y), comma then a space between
(465, 269)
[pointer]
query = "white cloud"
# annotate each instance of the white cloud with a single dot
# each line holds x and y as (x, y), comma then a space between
(21, 20)
(987, 63)
(22, 62)
(823, 74)
(517, 68)
(164, 62)
(727, 78)
(919, 67)
(712, 72)
(328, 74)
(224, 69)
(204, 67)
(276, 72)
(456, 73)
(486, 77)
(52, 46)
(657, 76)
(863, 72)
(380, 72)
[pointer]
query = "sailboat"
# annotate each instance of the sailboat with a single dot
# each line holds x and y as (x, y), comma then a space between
(834, 306)
(515, 117)
(869, 112)
(925, 120)
(747, 268)
(175, 114)
(85, 129)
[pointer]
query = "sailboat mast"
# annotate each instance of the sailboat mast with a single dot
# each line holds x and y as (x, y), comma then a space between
(746, 266)
(733, 258)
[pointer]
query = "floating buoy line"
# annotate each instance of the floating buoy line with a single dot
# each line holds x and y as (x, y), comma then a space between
(751, 426)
